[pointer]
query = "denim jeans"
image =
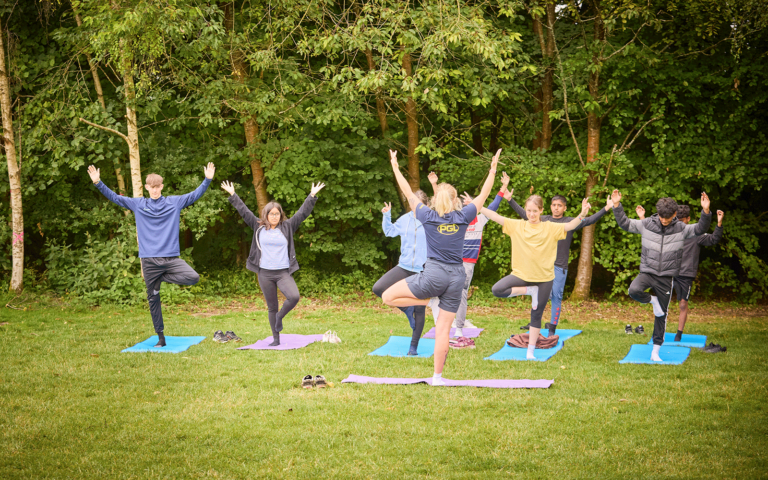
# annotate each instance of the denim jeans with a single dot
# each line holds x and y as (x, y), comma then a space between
(556, 297)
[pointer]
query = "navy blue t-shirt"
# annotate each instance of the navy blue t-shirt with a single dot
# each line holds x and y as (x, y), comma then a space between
(445, 235)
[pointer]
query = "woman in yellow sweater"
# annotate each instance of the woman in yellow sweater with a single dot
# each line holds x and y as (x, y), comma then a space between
(534, 249)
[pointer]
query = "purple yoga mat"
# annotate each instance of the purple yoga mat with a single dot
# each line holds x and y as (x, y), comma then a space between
(288, 341)
(468, 332)
(452, 383)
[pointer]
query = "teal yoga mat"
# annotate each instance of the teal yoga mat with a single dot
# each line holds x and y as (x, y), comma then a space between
(669, 355)
(173, 344)
(511, 353)
(399, 346)
(697, 341)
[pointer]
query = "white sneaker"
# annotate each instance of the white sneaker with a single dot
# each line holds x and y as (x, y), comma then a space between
(334, 338)
(468, 324)
(327, 336)
(437, 382)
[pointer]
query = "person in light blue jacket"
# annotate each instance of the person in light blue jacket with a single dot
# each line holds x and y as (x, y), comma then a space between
(413, 254)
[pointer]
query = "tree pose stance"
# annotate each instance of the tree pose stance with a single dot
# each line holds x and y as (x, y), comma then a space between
(273, 256)
(534, 250)
(663, 238)
(443, 275)
(690, 266)
(413, 254)
(157, 226)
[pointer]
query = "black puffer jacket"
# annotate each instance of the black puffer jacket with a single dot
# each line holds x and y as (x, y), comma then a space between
(288, 228)
(692, 249)
(662, 252)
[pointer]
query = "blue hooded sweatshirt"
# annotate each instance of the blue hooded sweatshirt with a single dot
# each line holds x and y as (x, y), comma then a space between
(413, 241)
(157, 221)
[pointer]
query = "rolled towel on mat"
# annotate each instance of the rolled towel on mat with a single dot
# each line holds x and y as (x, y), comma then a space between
(521, 341)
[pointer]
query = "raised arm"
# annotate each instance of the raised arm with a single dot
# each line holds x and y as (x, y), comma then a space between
(516, 207)
(248, 217)
(390, 229)
(125, 202)
(594, 218)
(493, 216)
(479, 201)
(576, 222)
(402, 182)
(500, 196)
(306, 208)
(710, 240)
(183, 201)
(702, 226)
(625, 223)
(433, 181)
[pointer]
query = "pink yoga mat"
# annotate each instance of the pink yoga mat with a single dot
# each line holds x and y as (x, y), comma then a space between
(288, 341)
(452, 383)
(468, 332)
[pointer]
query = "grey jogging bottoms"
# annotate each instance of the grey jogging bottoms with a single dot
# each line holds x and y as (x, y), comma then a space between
(662, 287)
(164, 269)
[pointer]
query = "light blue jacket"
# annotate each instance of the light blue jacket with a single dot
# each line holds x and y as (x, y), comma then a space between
(413, 241)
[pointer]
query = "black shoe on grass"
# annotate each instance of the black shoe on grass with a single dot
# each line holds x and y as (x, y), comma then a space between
(232, 337)
(628, 329)
(714, 348)
(526, 327)
(220, 337)
(160, 340)
(640, 330)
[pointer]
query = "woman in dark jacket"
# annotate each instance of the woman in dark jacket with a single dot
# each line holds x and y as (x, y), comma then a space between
(272, 256)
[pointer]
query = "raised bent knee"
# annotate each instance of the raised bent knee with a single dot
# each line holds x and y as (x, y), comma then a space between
(388, 296)
(193, 279)
(500, 290)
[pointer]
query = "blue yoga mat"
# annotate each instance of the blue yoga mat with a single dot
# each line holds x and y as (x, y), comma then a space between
(564, 334)
(697, 341)
(669, 355)
(399, 346)
(511, 353)
(172, 344)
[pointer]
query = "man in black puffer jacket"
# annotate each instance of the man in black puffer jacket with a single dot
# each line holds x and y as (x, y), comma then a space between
(663, 238)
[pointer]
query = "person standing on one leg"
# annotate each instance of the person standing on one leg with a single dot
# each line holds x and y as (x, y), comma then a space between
(413, 254)
(473, 242)
(663, 238)
(690, 266)
(443, 275)
(273, 256)
(534, 250)
(558, 206)
(157, 227)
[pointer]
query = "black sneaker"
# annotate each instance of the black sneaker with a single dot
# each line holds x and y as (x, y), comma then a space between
(526, 327)
(320, 381)
(552, 328)
(714, 348)
(220, 337)
(232, 337)
(678, 337)
(640, 330)
(628, 329)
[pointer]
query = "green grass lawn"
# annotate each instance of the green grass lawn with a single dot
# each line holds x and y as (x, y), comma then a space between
(72, 405)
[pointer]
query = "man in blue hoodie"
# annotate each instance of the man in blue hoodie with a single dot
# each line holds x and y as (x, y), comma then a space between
(157, 226)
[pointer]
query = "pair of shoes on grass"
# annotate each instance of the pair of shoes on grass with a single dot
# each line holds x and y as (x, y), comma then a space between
(714, 348)
(222, 337)
(638, 330)
(462, 342)
(331, 337)
(310, 382)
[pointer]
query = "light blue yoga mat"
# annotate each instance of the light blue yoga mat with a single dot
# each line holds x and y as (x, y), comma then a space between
(697, 341)
(511, 353)
(399, 346)
(564, 334)
(173, 344)
(669, 355)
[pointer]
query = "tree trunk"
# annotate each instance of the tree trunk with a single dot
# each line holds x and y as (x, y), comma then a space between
(412, 125)
(14, 176)
(543, 97)
(477, 137)
(381, 108)
(584, 274)
(100, 95)
(251, 126)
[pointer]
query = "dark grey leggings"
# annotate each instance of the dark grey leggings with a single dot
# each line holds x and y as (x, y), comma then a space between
(503, 288)
(269, 282)
(419, 311)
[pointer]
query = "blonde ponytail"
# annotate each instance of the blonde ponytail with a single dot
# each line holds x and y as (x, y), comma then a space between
(444, 200)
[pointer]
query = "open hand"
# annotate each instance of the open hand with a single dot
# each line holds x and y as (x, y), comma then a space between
(432, 178)
(609, 204)
(640, 212)
(585, 206)
(228, 187)
(495, 160)
(705, 202)
(95, 174)
(508, 194)
(720, 215)
(616, 197)
(387, 207)
(209, 170)
(466, 198)
(504, 180)
(316, 188)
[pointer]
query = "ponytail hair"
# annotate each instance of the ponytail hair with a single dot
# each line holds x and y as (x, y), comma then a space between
(536, 200)
(445, 199)
(422, 197)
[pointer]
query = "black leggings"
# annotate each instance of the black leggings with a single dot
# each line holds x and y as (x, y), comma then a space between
(503, 288)
(419, 311)
(269, 282)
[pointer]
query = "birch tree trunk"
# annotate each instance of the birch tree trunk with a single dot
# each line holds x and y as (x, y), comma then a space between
(14, 176)
(133, 130)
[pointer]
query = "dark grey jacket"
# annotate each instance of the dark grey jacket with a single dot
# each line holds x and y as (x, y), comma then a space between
(288, 228)
(692, 248)
(662, 252)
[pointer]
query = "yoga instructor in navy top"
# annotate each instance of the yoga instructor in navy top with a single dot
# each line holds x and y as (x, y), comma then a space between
(272, 256)
(443, 275)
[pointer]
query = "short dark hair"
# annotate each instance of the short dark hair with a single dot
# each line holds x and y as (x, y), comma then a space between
(683, 211)
(561, 198)
(666, 207)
